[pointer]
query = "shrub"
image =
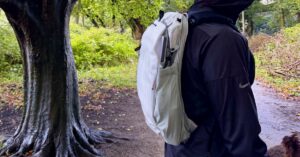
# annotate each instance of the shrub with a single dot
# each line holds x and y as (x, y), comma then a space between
(278, 59)
(10, 58)
(292, 34)
(91, 47)
(101, 47)
(258, 41)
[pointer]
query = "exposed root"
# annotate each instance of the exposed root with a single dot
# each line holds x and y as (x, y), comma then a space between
(11, 146)
(75, 143)
(99, 137)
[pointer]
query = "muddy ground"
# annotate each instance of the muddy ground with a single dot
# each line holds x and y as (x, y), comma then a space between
(115, 110)
(118, 111)
(278, 116)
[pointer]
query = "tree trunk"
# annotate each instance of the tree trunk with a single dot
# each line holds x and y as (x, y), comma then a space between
(95, 20)
(51, 125)
(282, 18)
(77, 17)
(137, 28)
(250, 27)
(122, 28)
(83, 21)
(298, 17)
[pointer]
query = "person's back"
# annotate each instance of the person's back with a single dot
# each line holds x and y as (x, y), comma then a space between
(217, 74)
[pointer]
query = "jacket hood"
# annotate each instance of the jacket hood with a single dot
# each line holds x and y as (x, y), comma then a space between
(229, 8)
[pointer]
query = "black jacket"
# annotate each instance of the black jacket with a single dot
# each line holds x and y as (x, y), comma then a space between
(217, 74)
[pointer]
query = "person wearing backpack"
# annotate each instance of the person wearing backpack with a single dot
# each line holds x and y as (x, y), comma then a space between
(217, 74)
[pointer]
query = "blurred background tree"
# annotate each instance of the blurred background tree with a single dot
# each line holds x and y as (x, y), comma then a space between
(105, 33)
(130, 18)
(269, 16)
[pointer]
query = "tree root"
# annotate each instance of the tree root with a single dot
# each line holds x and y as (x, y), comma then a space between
(76, 142)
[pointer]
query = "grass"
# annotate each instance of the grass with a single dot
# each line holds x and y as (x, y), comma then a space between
(290, 87)
(122, 76)
(11, 78)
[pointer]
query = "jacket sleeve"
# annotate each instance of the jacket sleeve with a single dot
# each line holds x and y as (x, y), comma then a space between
(229, 91)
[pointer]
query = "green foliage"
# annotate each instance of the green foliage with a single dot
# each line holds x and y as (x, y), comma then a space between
(99, 12)
(9, 49)
(135, 14)
(92, 47)
(145, 11)
(290, 6)
(272, 17)
(101, 47)
(284, 13)
(123, 75)
(112, 12)
(178, 5)
(292, 34)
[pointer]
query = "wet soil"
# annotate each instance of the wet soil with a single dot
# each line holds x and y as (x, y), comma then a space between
(278, 116)
(119, 111)
(115, 110)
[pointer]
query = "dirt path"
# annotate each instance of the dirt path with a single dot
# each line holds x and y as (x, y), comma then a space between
(123, 116)
(114, 110)
(119, 112)
(278, 117)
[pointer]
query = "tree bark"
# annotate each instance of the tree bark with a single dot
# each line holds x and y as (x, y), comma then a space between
(137, 28)
(250, 28)
(282, 18)
(77, 17)
(51, 125)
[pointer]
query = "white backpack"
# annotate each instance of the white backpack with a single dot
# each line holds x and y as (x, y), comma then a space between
(159, 78)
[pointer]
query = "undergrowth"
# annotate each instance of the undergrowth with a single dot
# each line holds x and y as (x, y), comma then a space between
(122, 76)
(278, 60)
(101, 47)
(101, 54)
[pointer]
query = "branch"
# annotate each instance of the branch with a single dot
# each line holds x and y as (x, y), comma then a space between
(293, 65)
(282, 74)
(73, 2)
(12, 6)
